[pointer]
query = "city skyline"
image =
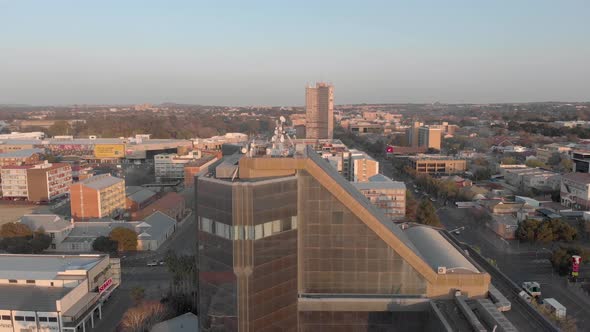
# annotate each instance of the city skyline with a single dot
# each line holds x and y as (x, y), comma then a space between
(263, 53)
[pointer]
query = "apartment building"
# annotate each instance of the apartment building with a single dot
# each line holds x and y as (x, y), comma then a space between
(97, 197)
(362, 166)
(532, 178)
(388, 195)
(437, 164)
(63, 293)
(547, 151)
(429, 137)
(37, 183)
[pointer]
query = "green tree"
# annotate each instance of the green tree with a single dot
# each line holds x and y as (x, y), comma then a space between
(60, 127)
(509, 161)
(526, 230)
(534, 163)
(555, 159)
(482, 174)
(426, 214)
(561, 259)
(104, 244)
(18, 238)
(566, 165)
(126, 239)
(137, 294)
(40, 241)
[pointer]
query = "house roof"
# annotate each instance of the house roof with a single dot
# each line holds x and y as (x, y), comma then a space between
(578, 177)
(140, 196)
(49, 222)
(159, 223)
(25, 153)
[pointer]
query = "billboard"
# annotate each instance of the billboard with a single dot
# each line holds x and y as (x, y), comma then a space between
(109, 151)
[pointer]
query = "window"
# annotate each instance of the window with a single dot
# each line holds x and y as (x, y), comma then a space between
(52, 319)
(12, 281)
(52, 235)
(30, 281)
(5, 317)
(30, 319)
(206, 225)
(53, 246)
(258, 232)
(51, 283)
(43, 319)
(19, 318)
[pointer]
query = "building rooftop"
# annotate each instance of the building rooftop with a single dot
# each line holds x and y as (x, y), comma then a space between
(380, 181)
(49, 222)
(186, 322)
(139, 196)
(100, 181)
(438, 252)
(31, 298)
(43, 267)
(578, 177)
(155, 225)
(25, 153)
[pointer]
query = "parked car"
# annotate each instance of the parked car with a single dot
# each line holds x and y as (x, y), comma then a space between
(152, 263)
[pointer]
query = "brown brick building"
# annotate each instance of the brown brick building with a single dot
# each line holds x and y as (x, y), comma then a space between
(38, 183)
(97, 197)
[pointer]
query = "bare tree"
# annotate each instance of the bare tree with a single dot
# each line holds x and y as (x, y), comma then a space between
(142, 317)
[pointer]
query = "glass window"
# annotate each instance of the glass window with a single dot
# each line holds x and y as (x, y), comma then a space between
(258, 232)
(12, 281)
(276, 226)
(293, 222)
(267, 228)
(6, 317)
(206, 225)
(52, 319)
(30, 319)
(19, 318)
(43, 319)
(30, 281)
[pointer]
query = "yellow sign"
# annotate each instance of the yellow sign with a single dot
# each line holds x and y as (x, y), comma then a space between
(109, 151)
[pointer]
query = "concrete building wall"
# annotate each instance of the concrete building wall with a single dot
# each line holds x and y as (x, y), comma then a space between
(319, 103)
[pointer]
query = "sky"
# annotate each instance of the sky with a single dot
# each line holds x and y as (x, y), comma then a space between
(265, 52)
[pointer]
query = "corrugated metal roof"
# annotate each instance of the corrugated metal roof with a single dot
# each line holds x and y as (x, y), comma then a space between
(42, 267)
(101, 181)
(49, 222)
(31, 298)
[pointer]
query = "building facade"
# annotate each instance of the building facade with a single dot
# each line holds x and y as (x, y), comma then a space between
(39, 183)
(388, 195)
(319, 110)
(97, 197)
(429, 137)
(62, 293)
(289, 245)
(437, 164)
(575, 191)
(170, 166)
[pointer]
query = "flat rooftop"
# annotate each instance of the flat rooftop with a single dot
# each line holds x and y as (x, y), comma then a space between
(31, 298)
(43, 267)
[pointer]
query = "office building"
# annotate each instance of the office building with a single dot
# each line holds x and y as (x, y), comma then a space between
(37, 183)
(581, 161)
(429, 137)
(288, 244)
(532, 178)
(170, 166)
(412, 134)
(319, 110)
(362, 166)
(63, 293)
(437, 164)
(388, 195)
(97, 197)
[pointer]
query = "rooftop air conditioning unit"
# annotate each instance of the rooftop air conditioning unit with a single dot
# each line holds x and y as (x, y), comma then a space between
(442, 270)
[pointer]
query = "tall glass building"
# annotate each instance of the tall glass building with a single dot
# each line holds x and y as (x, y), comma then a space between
(287, 244)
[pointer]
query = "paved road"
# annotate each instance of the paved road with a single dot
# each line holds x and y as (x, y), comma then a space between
(519, 262)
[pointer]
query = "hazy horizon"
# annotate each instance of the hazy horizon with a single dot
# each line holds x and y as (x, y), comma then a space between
(264, 53)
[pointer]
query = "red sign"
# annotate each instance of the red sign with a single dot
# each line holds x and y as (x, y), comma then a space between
(390, 149)
(105, 285)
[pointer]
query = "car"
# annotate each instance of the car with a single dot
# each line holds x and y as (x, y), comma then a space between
(161, 262)
(457, 232)
(152, 263)
(432, 199)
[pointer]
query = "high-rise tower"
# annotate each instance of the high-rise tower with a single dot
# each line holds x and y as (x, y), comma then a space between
(319, 108)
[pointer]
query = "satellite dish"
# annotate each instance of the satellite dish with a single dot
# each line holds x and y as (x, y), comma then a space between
(244, 150)
(282, 118)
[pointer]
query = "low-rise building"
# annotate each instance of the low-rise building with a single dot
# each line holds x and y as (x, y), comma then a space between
(581, 161)
(575, 191)
(547, 151)
(172, 204)
(21, 157)
(194, 167)
(78, 237)
(138, 197)
(386, 194)
(437, 164)
(97, 197)
(36, 183)
(532, 178)
(55, 293)
(362, 166)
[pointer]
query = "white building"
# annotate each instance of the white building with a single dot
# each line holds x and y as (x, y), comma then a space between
(18, 135)
(170, 166)
(77, 237)
(55, 293)
(532, 178)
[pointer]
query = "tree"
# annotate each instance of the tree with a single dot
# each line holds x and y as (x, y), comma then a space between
(526, 230)
(555, 159)
(126, 239)
(142, 317)
(567, 165)
(534, 163)
(137, 294)
(40, 241)
(509, 161)
(15, 229)
(561, 259)
(482, 174)
(411, 206)
(104, 244)
(532, 230)
(426, 214)
(60, 127)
